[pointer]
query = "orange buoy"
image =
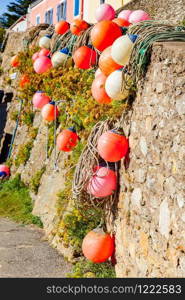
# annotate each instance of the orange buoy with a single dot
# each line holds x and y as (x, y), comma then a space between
(62, 27)
(112, 146)
(121, 22)
(98, 90)
(104, 34)
(106, 64)
(78, 26)
(84, 57)
(50, 111)
(67, 139)
(24, 80)
(98, 246)
(15, 61)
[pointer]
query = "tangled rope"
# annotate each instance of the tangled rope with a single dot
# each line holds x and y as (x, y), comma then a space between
(148, 33)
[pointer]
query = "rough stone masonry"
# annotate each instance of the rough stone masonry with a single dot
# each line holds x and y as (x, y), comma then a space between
(150, 226)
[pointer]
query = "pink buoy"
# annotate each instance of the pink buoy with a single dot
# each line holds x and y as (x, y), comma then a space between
(125, 14)
(44, 52)
(4, 168)
(40, 99)
(98, 72)
(103, 183)
(42, 64)
(35, 56)
(105, 12)
(138, 16)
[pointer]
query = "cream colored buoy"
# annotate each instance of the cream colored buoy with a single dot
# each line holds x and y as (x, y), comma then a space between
(45, 42)
(60, 57)
(113, 86)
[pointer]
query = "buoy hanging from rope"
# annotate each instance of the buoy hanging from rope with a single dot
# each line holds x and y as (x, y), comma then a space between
(42, 64)
(125, 14)
(122, 49)
(78, 26)
(62, 27)
(104, 12)
(15, 61)
(45, 41)
(85, 57)
(112, 146)
(60, 57)
(98, 246)
(50, 111)
(24, 80)
(121, 22)
(98, 90)
(113, 86)
(104, 34)
(138, 16)
(67, 139)
(103, 183)
(40, 99)
(44, 52)
(5, 169)
(106, 64)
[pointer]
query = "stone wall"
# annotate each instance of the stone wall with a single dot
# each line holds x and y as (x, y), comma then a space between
(150, 226)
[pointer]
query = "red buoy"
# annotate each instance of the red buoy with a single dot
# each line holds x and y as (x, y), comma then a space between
(121, 22)
(44, 52)
(35, 56)
(112, 146)
(62, 27)
(98, 90)
(24, 80)
(67, 139)
(84, 57)
(4, 168)
(104, 34)
(15, 61)
(78, 26)
(50, 111)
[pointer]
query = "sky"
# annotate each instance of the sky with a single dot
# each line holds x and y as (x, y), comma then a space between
(3, 4)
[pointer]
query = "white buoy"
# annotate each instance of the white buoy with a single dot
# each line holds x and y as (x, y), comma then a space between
(60, 57)
(122, 48)
(113, 86)
(45, 42)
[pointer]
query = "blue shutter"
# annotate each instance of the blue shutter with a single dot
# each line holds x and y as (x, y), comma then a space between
(65, 10)
(45, 17)
(58, 13)
(51, 16)
(76, 7)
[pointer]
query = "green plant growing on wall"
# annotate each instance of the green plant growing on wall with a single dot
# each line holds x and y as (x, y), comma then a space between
(87, 269)
(35, 180)
(23, 153)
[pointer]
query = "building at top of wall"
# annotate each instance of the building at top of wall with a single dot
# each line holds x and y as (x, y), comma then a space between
(20, 25)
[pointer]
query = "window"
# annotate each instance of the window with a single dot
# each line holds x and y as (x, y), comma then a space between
(49, 17)
(76, 7)
(37, 20)
(62, 11)
(102, 1)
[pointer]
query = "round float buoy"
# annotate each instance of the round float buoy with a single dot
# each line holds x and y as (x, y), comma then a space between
(121, 22)
(24, 80)
(78, 26)
(98, 90)
(125, 14)
(112, 146)
(138, 16)
(104, 34)
(122, 48)
(103, 183)
(45, 42)
(106, 64)
(15, 61)
(67, 139)
(113, 86)
(60, 57)
(44, 52)
(42, 64)
(62, 27)
(104, 12)
(98, 72)
(50, 111)
(35, 56)
(5, 169)
(98, 246)
(84, 57)
(3, 174)
(40, 99)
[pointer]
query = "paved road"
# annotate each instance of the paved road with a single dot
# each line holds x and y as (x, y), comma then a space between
(24, 253)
